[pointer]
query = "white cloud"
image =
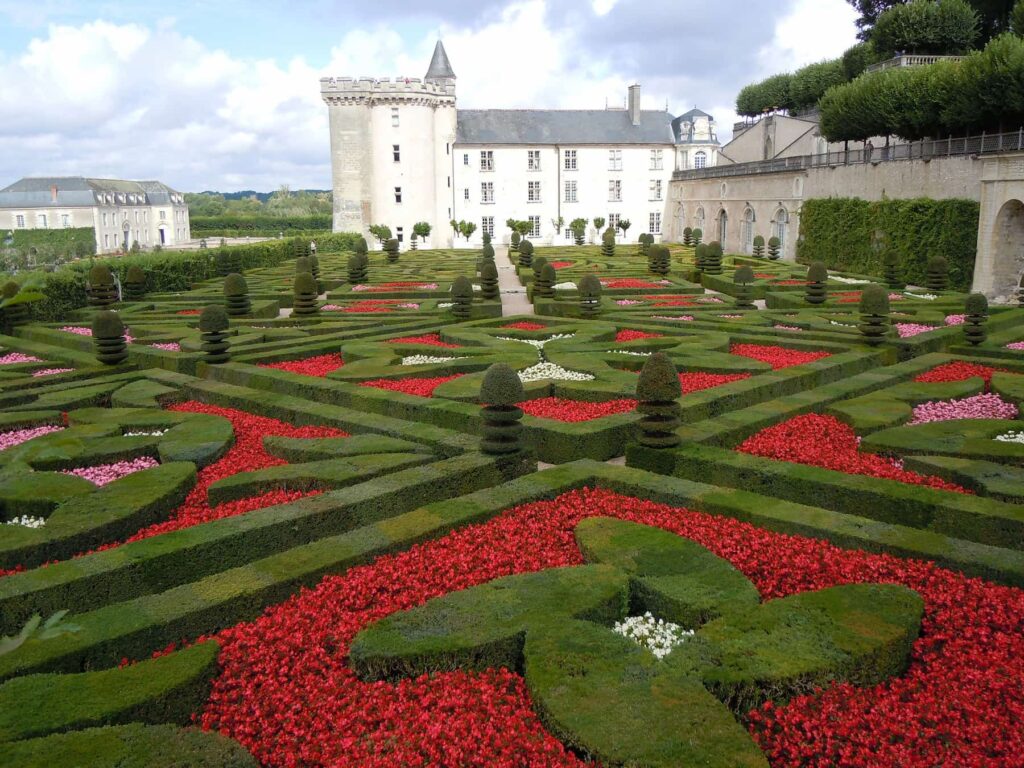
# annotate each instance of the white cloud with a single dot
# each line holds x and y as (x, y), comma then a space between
(811, 31)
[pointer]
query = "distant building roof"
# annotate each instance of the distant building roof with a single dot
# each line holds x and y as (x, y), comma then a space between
(440, 68)
(688, 116)
(569, 126)
(79, 191)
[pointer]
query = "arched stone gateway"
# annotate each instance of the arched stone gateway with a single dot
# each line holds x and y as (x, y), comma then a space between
(1000, 261)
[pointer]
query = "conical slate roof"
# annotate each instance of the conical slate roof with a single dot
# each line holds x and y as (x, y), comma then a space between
(440, 68)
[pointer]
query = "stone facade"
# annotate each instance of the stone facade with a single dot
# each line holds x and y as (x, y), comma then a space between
(1000, 263)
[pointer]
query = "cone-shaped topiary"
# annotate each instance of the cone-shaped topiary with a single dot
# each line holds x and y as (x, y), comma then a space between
(937, 274)
(101, 289)
(544, 285)
(976, 309)
(891, 270)
(412, 242)
(236, 295)
(359, 246)
(774, 248)
(487, 239)
(589, 288)
(500, 394)
(700, 255)
(304, 302)
(302, 264)
(488, 252)
(357, 270)
(743, 277)
(314, 264)
(713, 258)
(13, 314)
(513, 242)
(134, 283)
(817, 280)
(234, 261)
(608, 244)
(213, 330)
(489, 280)
(222, 262)
(698, 236)
(538, 265)
(658, 259)
(462, 297)
(688, 236)
(874, 313)
(658, 390)
(758, 246)
(391, 250)
(525, 253)
(108, 336)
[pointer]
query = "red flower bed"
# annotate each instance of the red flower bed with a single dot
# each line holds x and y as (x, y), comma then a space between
(189, 312)
(561, 264)
(695, 381)
(630, 335)
(286, 691)
(629, 282)
(958, 371)
(789, 282)
(824, 441)
(319, 366)
(562, 409)
(430, 340)
(421, 387)
(776, 357)
(674, 303)
(525, 326)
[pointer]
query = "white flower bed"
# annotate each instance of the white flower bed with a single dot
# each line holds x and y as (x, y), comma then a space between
(565, 286)
(658, 636)
(154, 433)
(627, 352)
(849, 280)
(445, 304)
(27, 521)
(548, 370)
(427, 359)
(843, 325)
(1013, 436)
(925, 296)
(538, 343)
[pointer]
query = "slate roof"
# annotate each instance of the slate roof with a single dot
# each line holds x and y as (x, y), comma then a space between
(440, 68)
(78, 191)
(562, 126)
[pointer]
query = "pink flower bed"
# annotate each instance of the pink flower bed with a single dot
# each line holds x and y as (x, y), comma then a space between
(627, 302)
(13, 358)
(906, 330)
(1016, 346)
(18, 436)
(955, 319)
(102, 474)
(51, 371)
(987, 406)
(787, 328)
(77, 329)
(169, 346)
(684, 318)
(710, 300)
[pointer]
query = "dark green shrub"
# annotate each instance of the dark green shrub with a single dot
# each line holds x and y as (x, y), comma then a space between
(810, 83)
(514, 241)
(525, 253)
(213, 327)
(357, 268)
(608, 244)
(538, 265)
(304, 301)
(817, 284)
(134, 283)
(658, 390)
(700, 256)
(462, 297)
(688, 236)
(236, 295)
(544, 285)
(770, 94)
(743, 277)
(874, 312)
(487, 241)
(489, 280)
(500, 394)
(391, 250)
(488, 252)
(101, 288)
(658, 259)
(713, 258)
(941, 27)
(892, 270)
(937, 277)
(314, 264)
(976, 309)
(360, 245)
(758, 246)
(303, 264)
(222, 260)
(698, 235)
(108, 336)
(774, 248)
(589, 288)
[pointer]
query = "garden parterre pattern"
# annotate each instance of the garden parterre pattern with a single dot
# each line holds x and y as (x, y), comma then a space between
(221, 534)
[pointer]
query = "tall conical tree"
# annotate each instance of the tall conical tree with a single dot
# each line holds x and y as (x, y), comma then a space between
(658, 391)
(213, 327)
(525, 253)
(391, 250)
(713, 258)
(891, 270)
(937, 275)
(538, 265)
(608, 244)
(544, 286)
(500, 394)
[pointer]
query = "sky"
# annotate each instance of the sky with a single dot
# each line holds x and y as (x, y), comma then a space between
(225, 95)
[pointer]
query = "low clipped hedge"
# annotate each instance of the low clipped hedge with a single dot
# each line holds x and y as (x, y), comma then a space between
(207, 225)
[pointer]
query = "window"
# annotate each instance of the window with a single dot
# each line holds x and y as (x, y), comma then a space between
(465, 158)
(487, 226)
(654, 224)
(570, 159)
(394, 117)
(487, 192)
(700, 160)
(615, 191)
(657, 160)
(65, 220)
(613, 221)
(136, 217)
(106, 241)
(19, 221)
(534, 226)
(396, 153)
(41, 220)
(400, 233)
(655, 189)
(105, 218)
(533, 191)
(487, 160)
(533, 160)
(614, 159)
(465, 194)
(115, 241)
(398, 194)
(569, 237)
(570, 191)
(163, 216)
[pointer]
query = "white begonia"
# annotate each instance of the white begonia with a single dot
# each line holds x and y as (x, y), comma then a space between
(445, 304)
(27, 521)
(843, 325)
(154, 433)
(564, 286)
(538, 343)
(925, 296)
(1013, 436)
(427, 359)
(548, 370)
(628, 352)
(658, 636)
(849, 280)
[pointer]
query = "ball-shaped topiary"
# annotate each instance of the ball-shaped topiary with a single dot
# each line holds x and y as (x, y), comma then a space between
(236, 295)
(544, 285)
(742, 279)
(937, 274)
(774, 248)
(134, 283)
(213, 328)
(874, 312)
(489, 280)
(500, 394)
(758, 247)
(817, 283)
(976, 310)
(462, 297)
(304, 301)
(391, 250)
(713, 258)
(589, 288)
(525, 253)
(108, 337)
(102, 290)
(658, 390)
(608, 244)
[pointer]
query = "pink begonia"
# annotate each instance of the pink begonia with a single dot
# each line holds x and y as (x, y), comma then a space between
(955, 319)
(77, 329)
(710, 300)
(102, 474)
(1016, 346)
(168, 346)
(12, 358)
(906, 330)
(787, 328)
(51, 371)
(332, 307)
(408, 306)
(627, 302)
(986, 406)
(19, 436)
(686, 318)
(896, 297)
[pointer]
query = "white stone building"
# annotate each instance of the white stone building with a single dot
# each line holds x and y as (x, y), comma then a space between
(402, 153)
(121, 212)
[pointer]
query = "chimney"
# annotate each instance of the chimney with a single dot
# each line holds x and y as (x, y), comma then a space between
(634, 104)
(53, 193)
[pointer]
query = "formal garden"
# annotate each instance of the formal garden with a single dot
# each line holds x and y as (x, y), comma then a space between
(263, 507)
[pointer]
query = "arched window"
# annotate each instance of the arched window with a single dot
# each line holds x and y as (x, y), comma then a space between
(769, 148)
(698, 219)
(780, 223)
(723, 227)
(747, 233)
(700, 159)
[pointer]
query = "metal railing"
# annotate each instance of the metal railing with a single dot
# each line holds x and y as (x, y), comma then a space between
(909, 60)
(985, 144)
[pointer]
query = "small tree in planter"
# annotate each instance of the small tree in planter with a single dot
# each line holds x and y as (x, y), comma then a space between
(589, 289)
(624, 225)
(466, 229)
(108, 337)
(236, 295)
(608, 244)
(713, 258)
(135, 283)
(489, 280)
(304, 302)
(874, 314)
(658, 259)
(544, 285)
(743, 277)
(937, 276)
(101, 289)
(558, 224)
(658, 390)
(513, 243)
(462, 298)
(758, 247)
(500, 394)
(891, 267)
(357, 268)
(817, 284)
(976, 309)
(579, 230)
(774, 248)
(213, 327)
(688, 236)
(525, 253)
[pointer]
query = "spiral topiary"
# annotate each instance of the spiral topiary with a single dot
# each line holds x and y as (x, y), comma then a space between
(538, 265)
(713, 258)
(700, 256)
(688, 236)
(500, 394)
(608, 244)
(302, 264)
(488, 252)
(357, 268)
(817, 284)
(774, 248)
(134, 283)
(213, 330)
(658, 259)
(513, 243)
(874, 314)
(658, 390)
(359, 246)
(462, 297)
(13, 314)
(236, 295)
(976, 310)
(544, 285)
(314, 264)
(304, 301)
(525, 253)
(234, 261)
(758, 247)
(101, 290)
(891, 270)
(589, 289)
(222, 262)
(108, 337)
(487, 240)
(391, 250)
(698, 236)
(937, 274)
(742, 279)
(489, 280)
